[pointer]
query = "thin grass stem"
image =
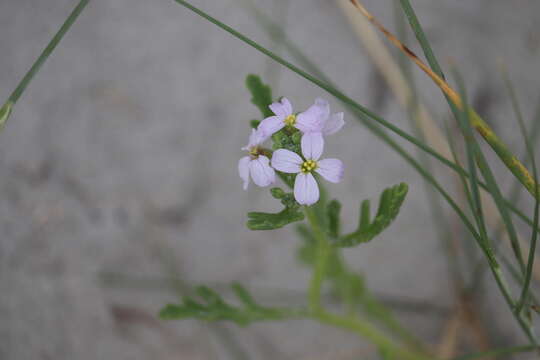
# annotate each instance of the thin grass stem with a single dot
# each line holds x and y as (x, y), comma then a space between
(16, 94)
(532, 159)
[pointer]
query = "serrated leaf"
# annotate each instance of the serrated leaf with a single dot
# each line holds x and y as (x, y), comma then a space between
(389, 205)
(244, 296)
(270, 221)
(261, 94)
(215, 308)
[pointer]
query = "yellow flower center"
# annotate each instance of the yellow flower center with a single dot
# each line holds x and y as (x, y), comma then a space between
(290, 120)
(308, 166)
(254, 151)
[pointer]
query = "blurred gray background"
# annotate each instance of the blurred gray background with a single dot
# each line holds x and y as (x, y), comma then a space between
(118, 172)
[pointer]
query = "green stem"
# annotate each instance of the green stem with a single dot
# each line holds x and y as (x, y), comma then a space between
(367, 331)
(348, 322)
(321, 262)
(16, 94)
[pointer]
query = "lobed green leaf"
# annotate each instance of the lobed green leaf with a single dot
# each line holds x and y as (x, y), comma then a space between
(212, 307)
(269, 221)
(261, 94)
(389, 206)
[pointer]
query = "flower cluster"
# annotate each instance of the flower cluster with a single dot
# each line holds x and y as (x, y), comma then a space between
(261, 164)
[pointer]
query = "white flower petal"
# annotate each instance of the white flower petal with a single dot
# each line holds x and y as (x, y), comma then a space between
(313, 119)
(308, 122)
(324, 108)
(286, 161)
(261, 172)
(312, 144)
(330, 169)
(255, 138)
(243, 170)
(334, 124)
(287, 106)
(270, 125)
(306, 190)
(282, 108)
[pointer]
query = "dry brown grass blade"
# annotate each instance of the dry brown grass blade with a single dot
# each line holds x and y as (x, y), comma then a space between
(393, 75)
(448, 345)
(501, 149)
(401, 89)
(443, 85)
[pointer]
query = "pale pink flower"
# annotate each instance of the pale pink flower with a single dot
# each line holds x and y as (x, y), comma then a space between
(284, 115)
(306, 190)
(255, 164)
(319, 113)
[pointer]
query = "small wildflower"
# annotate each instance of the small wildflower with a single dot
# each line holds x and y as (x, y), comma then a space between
(319, 112)
(255, 164)
(284, 116)
(306, 190)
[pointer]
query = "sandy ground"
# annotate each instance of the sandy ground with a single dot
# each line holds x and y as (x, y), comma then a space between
(119, 169)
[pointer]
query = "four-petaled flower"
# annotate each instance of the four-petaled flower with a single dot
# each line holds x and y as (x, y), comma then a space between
(319, 115)
(306, 190)
(284, 116)
(256, 164)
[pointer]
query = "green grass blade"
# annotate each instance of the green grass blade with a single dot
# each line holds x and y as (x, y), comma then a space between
(16, 94)
(438, 217)
(498, 146)
(472, 153)
(421, 37)
(465, 188)
(515, 191)
(476, 155)
(532, 159)
(496, 194)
